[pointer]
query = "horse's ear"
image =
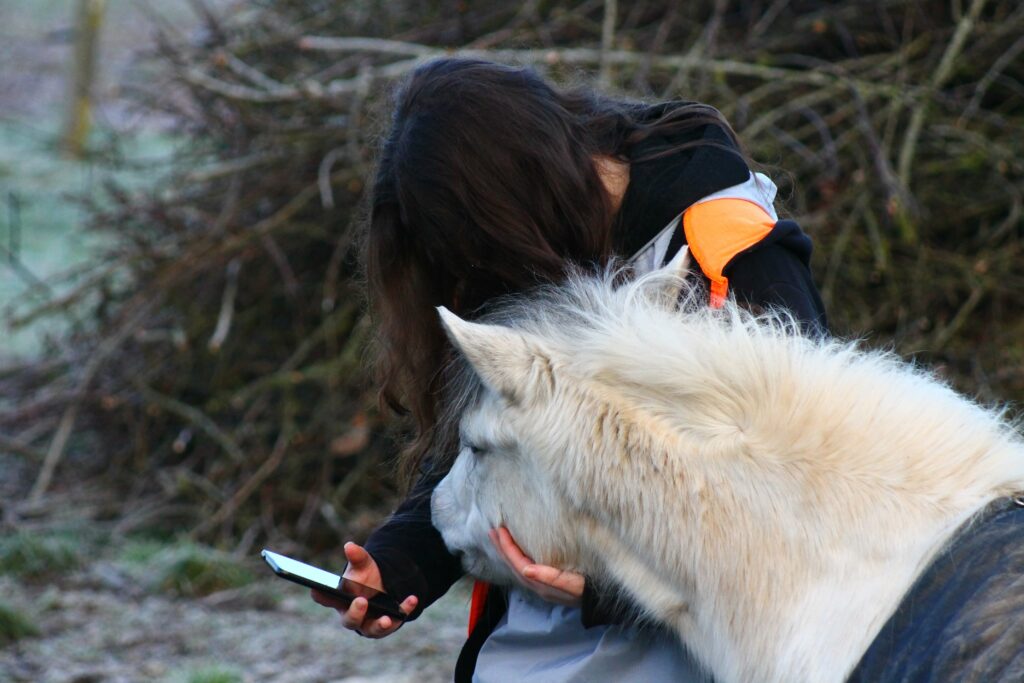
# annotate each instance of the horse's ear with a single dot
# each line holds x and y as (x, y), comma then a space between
(678, 268)
(504, 358)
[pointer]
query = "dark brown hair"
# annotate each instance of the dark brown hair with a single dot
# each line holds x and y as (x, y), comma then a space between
(486, 186)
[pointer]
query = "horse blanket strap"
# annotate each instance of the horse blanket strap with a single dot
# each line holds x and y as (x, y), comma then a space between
(476, 603)
(963, 619)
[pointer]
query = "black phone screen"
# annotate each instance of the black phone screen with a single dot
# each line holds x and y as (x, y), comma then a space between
(380, 603)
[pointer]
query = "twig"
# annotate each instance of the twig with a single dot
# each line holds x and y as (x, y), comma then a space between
(67, 422)
(351, 481)
(209, 18)
(943, 335)
(195, 417)
(280, 259)
(256, 76)
(828, 143)
(798, 147)
(235, 91)
(393, 47)
(242, 494)
(664, 28)
(24, 273)
(705, 46)
(331, 276)
(604, 77)
(324, 177)
(150, 510)
(227, 306)
(364, 81)
(236, 165)
(895, 189)
(842, 240)
(54, 453)
(991, 75)
(573, 56)
(942, 72)
(18, 448)
(767, 18)
(285, 378)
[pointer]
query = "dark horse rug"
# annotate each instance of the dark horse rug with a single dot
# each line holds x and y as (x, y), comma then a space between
(963, 619)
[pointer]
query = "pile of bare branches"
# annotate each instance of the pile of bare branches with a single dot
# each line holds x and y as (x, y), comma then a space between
(216, 378)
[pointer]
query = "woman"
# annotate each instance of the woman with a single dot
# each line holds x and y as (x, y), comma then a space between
(490, 182)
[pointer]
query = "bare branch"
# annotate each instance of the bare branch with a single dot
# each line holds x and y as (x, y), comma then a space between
(942, 73)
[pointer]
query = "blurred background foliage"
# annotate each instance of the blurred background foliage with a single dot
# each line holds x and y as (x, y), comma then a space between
(209, 371)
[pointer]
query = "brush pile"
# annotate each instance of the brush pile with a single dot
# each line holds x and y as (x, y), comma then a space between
(215, 380)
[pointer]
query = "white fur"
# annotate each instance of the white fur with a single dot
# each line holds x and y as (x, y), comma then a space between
(769, 496)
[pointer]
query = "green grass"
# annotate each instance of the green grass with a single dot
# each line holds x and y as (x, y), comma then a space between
(215, 673)
(141, 552)
(37, 556)
(194, 570)
(14, 625)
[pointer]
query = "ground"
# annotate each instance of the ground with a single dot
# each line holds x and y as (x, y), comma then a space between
(99, 625)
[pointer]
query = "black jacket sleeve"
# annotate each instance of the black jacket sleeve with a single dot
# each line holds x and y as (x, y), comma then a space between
(776, 274)
(409, 551)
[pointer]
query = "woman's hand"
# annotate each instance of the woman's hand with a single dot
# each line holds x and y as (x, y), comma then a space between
(362, 569)
(552, 584)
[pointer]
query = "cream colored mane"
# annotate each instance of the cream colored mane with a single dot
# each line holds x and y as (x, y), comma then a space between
(768, 495)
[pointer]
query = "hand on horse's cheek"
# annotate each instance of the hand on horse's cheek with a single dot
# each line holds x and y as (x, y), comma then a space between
(550, 583)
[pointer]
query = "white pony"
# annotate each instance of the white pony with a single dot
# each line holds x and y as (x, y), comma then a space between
(769, 496)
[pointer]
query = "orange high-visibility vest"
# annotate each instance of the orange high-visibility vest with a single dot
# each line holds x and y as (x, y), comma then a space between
(719, 230)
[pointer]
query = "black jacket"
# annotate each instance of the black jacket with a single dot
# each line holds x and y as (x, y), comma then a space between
(410, 553)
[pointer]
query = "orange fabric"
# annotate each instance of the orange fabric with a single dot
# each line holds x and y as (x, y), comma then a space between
(719, 229)
(476, 603)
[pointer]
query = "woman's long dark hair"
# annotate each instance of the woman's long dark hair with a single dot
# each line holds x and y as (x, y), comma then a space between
(485, 186)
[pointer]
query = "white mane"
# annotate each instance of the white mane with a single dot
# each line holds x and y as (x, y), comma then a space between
(769, 495)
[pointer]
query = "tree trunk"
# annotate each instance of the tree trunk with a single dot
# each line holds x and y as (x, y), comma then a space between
(83, 74)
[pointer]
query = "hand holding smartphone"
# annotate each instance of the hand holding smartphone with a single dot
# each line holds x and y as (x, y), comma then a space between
(380, 603)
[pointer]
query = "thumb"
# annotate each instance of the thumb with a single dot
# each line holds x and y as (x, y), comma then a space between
(357, 555)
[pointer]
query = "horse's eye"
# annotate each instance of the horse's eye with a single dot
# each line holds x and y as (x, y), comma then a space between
(476, 451)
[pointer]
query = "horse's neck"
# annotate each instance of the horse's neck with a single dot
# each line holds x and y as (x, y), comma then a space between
(807, 598)
(759, 580)
(803, 516)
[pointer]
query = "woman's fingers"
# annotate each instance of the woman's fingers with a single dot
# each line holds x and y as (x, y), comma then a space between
(361, 566)
(385, 625)
(511, 551)
(551, 583)
(356, 555)
(568, 582)
(353, 617)
(409, 604)
(378, 628)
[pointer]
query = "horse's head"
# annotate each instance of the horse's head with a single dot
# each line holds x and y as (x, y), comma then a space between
(494, 481)
(529, 422)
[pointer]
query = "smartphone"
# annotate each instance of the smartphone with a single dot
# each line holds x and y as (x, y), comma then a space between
(381, 604)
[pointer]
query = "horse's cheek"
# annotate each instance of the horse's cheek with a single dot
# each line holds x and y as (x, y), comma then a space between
(451, 503)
